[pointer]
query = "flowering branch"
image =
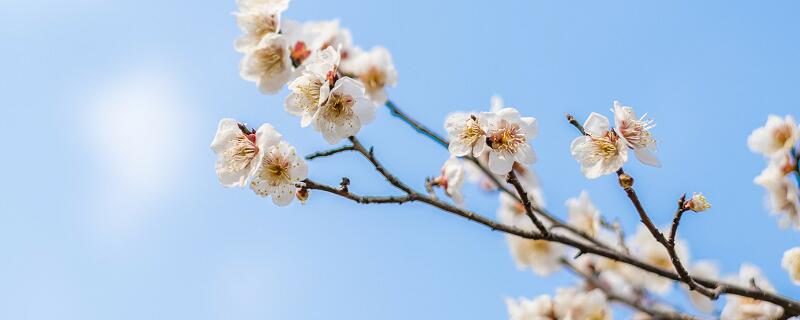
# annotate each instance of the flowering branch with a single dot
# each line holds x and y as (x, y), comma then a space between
(791, 307)
(556, 222)
(336, 88)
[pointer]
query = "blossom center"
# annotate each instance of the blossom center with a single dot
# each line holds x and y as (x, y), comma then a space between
(507, 138)
(604, 147)
(338, 106)
(270, 59)
(472, 131)
(266, 24)
(239, 156)
(637, 132)
(782, 135)
(373, 79)
(276, 170)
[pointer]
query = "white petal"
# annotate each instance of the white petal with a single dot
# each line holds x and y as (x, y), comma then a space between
(596, 124)
(647, 157)
(267, 136)
(525, 154)
(283, 194)
(499, 164)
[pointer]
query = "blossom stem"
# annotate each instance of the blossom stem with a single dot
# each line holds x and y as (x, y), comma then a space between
(576, 124)
(526, 202)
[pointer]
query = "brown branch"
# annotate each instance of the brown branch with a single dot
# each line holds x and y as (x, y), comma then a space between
(330, 152)
(375, 163)
(594, 281)
(677, 219)
(790, 306)
(576, 124)
(626, 181)
(526, 203)
(309, 184)
(416, 125)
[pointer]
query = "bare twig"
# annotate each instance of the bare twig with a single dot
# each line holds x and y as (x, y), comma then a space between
(594, 281)
(330, 152)
(526, 202)
(416, 125)
(309, 184)
(375, 163)
(576, 124)
(626, 181)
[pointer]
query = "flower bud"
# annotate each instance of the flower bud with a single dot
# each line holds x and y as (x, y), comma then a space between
(302, 195)
(698, 203)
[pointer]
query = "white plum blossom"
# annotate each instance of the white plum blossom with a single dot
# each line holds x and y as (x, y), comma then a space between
(258, 20)
(334, 105)
(467, 134)
(645, 247)
(738, 307)
(583, 214)
(541, 256)
(375, 70)
(305, 97)
(278, 170)
(635, 133)
(237, 149)
(343, 110)
(600, 151)
(704, 269)
(508, 139)
(578, 304)
(540, 308)
(268, 64)
(776, 137)
(791, 263)
(452, 179)
(783, 196)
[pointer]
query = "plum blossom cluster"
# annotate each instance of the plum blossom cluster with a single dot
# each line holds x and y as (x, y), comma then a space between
(258, 158)
(335, 87)
(603, 150)
(777, 141)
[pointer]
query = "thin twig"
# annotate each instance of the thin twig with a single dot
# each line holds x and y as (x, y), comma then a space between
(416, 125)
(626, 181)
(594, 281)
(375, 163)
(330, 152)
(359, 199)
(576, 124)
(526, 203)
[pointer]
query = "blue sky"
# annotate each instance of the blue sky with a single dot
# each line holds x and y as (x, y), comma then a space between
(111, 208)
